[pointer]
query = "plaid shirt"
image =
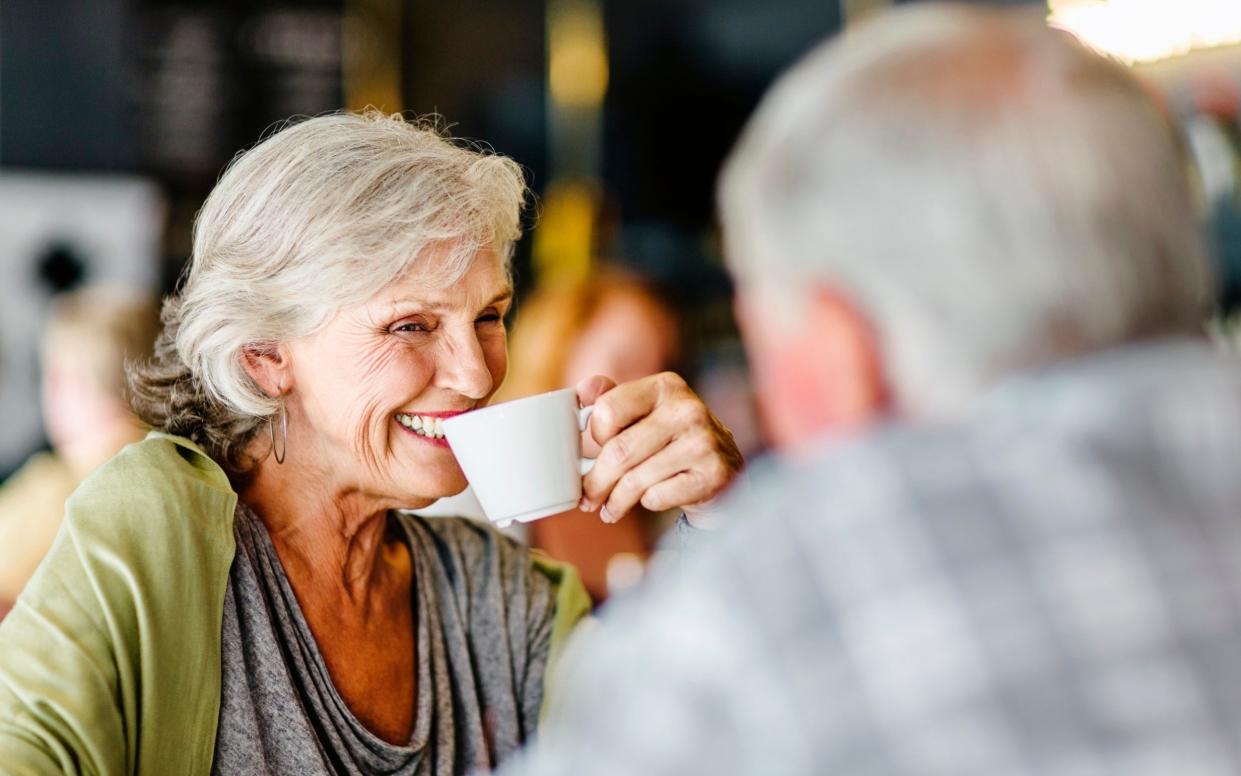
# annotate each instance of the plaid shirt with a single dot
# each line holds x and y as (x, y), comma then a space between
(1052, 586)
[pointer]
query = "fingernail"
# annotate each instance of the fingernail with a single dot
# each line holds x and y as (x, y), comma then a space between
(585, 505)
(605, 515)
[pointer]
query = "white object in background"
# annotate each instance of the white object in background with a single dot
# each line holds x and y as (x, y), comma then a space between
(1149, 30)
(1214, 158)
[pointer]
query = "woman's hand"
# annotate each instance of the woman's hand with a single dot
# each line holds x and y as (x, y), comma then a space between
(659, 447)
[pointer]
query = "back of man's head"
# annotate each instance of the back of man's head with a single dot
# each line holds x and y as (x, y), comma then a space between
(989, 194)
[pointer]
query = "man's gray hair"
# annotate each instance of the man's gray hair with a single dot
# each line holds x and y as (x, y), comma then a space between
(991, 195)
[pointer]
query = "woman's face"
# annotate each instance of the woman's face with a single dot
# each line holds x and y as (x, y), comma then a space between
(408, 356)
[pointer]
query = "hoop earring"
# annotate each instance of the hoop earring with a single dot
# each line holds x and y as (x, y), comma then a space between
(284, 434)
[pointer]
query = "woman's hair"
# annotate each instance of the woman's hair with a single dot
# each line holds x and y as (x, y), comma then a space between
(322, 214)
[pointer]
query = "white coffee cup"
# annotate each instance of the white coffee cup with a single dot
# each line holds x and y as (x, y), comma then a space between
(523, 458)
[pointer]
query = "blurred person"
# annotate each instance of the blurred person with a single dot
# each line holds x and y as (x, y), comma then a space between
(612, 324)
(1003, 537)
(90, 336)
(240, 592)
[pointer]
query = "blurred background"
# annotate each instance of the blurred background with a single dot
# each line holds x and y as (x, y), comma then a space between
(117, 116)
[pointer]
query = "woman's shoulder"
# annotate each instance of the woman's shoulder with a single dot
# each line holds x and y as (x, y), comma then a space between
(144, 520)
(128, 602)
(162, 459)
(160, 483)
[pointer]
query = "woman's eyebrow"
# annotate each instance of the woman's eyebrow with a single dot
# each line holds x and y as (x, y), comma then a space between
(503, 296)
(435, 306)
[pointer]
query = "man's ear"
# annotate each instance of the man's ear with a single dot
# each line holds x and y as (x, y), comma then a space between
(844, 349)
(817, 375)
(268, 366)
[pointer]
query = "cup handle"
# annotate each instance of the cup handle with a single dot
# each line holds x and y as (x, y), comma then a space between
(584, 465)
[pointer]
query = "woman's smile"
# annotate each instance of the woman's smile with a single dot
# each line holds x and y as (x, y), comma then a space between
(427, 426)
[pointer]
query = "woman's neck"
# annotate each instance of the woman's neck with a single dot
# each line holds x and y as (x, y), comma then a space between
(333, 536)
(352, 582)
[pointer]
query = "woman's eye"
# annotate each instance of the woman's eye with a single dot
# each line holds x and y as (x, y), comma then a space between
(412, 327)
(489, 318)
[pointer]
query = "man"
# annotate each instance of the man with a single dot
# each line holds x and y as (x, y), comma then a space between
(1005, 537)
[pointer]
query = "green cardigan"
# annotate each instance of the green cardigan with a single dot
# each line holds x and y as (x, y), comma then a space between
(110, 660)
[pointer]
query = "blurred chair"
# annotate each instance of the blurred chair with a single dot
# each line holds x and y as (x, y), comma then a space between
(612, 324)
(90, 337)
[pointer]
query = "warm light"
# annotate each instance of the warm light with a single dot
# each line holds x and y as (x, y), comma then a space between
(578, 60)
(565, 240)
(1149, 30)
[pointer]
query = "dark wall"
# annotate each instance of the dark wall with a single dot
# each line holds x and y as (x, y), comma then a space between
(66, 84)
(479, 64)
(685, 75)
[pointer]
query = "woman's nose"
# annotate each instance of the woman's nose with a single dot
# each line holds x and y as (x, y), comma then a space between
(462, 366)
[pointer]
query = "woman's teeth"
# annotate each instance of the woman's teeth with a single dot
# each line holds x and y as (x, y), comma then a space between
(422, 425)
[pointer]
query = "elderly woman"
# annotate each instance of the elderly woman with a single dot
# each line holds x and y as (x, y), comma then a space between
(238, 593)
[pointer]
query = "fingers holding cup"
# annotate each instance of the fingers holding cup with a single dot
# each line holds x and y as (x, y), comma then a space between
(661, 447)
(679, 474)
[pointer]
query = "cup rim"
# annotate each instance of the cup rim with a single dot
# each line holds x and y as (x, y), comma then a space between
(484, 411)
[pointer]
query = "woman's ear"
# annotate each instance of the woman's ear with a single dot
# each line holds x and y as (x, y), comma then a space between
(269, 367)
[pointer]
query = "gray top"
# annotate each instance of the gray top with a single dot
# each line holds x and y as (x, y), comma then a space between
(1050, 586)
(482, 619)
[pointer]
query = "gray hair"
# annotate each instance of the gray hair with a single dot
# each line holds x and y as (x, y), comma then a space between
(992, 196)
(321, 214)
